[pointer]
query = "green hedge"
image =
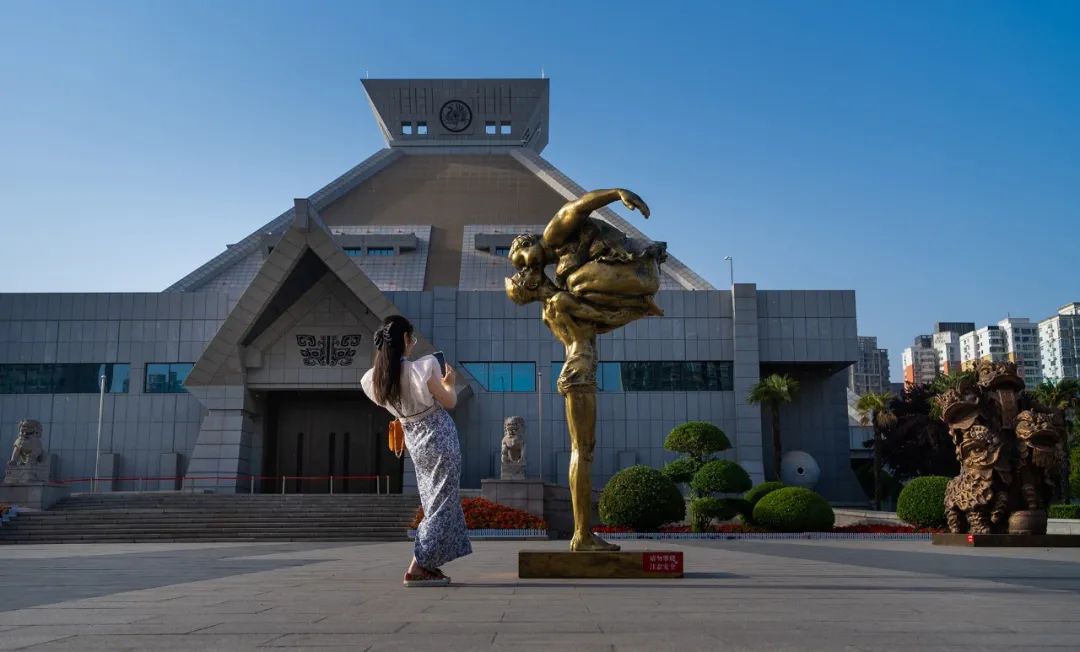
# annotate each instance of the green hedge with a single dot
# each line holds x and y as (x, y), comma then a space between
(642, 498)
(1064, 511)
(704, 510)
(720, 476)
(697, 439)
(794, 509)
(922, 501)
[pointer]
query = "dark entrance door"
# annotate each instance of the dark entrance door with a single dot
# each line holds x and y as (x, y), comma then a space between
(315, 435)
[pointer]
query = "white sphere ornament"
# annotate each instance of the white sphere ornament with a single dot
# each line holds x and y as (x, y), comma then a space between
(799, 469)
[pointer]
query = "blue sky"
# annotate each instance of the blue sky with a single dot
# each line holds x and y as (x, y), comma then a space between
(925, 154)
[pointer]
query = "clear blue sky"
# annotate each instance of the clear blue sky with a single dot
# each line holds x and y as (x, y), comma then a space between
(925, 154)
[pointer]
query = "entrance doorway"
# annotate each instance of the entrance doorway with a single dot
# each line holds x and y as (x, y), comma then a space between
(317, 434)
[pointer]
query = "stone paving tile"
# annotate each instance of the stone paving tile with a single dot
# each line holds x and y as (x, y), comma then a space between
(737, 595)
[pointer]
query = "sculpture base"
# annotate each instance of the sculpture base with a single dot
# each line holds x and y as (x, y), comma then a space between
(1008, 540)
(34, 496)
(625, 564)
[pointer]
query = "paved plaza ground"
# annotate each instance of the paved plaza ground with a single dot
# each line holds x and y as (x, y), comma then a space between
(737, 595)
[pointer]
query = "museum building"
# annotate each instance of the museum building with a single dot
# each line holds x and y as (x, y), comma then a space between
(249, 366)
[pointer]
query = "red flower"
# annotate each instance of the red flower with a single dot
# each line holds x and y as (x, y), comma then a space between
(482, 514)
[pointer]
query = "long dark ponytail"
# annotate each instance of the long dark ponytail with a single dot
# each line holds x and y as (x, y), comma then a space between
(389, 350)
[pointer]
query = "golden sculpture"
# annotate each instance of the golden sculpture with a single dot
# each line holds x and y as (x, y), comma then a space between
(603, 281)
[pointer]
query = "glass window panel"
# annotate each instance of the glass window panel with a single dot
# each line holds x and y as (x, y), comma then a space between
(178, 373)
(556, 369)
(119, 378)
(609, 377)
(499, 376)
(479, 371)
(380, 251)
(75, 378)
(523, 377)
(38, 379)
(157, 378)
(12, 378)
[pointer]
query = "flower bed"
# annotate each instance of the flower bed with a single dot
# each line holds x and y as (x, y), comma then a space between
(482, 514)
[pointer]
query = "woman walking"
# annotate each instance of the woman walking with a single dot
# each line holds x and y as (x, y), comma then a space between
(416, 393)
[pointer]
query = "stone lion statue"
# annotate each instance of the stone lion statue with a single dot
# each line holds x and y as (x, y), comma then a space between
(977, 500)
(28, 449)
(513, 448)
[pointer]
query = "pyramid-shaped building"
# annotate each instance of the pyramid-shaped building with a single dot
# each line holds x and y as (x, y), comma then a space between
(247, 369)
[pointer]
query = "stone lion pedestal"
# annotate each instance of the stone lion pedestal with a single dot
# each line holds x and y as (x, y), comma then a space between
(28, 474)
(513, 488)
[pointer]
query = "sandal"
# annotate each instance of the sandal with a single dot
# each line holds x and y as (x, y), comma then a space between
(426, 578)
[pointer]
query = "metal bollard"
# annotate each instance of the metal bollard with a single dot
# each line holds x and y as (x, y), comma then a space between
(331, 485)
(282, 485)
(251, 490)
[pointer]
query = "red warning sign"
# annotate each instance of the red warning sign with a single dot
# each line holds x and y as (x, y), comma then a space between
(662, 562)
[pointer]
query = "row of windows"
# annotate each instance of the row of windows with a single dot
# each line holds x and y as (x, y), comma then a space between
(491, 128)
(504, 376)
(85, 378)
(646, 376)
(660, 376)
(369, 251)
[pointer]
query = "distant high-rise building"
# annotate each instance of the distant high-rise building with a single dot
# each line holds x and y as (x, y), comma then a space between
(958, 327)
(986, 343)
(1059, 343)
(870, 373)
(920, 361)
(946, 345)
(1022, 347)
(1014, 339)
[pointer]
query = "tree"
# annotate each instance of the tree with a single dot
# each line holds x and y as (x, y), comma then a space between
(772, 391)
(699, 441)
(1063, 395)
(875, 410)
(917, 443)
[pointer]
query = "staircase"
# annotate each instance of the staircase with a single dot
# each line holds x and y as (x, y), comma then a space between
(175, 516)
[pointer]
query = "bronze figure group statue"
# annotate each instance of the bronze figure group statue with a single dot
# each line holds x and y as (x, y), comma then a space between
(603, 280)
(1010, 450)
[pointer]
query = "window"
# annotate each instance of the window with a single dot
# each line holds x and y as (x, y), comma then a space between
(659, 376)
(354, 251)
(489, 128)
(406, 128)
(166, 378)
(421, 128)
(504, 128)
(63, 378)
(380, 251)
(504, 376)
(502, 251)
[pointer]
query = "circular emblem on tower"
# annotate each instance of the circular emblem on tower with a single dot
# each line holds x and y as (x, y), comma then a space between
(455, 116)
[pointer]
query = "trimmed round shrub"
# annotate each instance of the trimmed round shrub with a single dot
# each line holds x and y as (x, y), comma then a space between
(1055, 511)
(703, 510)
(641, 498)
(922, 501)
(682, 470)
(758, 492)
(696, 439)
(794, 509)
(720, 476)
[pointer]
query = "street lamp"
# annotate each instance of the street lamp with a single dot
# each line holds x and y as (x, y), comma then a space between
(731, 268)
(101, 410)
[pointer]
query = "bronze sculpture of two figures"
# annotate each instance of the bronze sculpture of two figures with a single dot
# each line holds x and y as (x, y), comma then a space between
(602, 281)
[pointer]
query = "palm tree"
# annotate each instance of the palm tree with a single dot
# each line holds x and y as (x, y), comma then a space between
(1063, 395)
(876, 410)
(772, 391)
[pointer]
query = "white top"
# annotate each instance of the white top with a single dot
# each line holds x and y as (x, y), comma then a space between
(415, 395)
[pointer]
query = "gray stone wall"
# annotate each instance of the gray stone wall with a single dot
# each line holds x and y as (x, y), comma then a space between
(135, 329)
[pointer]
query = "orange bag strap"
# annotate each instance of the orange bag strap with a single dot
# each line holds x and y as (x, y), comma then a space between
(396, 434)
